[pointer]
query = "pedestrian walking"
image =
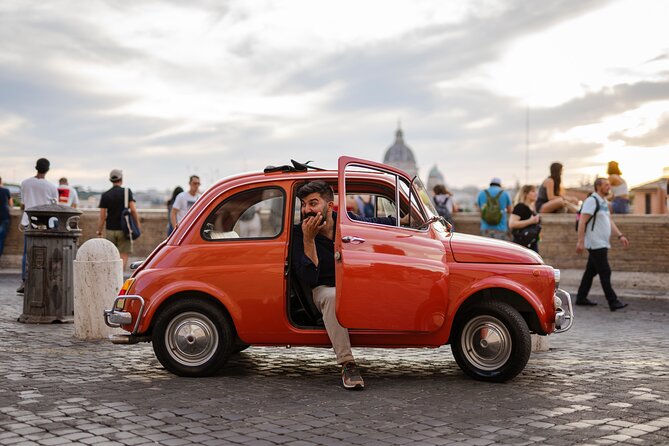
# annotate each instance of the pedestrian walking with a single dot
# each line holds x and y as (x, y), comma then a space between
(185, 200)
(594, 232)
(6, 202)
(35, 191)
(111, 207)
(67, 195)
(620, 203)
(494, 204)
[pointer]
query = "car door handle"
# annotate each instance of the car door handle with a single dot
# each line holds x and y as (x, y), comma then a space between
(352, 239)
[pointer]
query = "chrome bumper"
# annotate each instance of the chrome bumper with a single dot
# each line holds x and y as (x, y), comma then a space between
(115, 318)
(564, 318)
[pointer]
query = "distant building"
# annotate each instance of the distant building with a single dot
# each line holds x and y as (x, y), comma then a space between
(651, 198)
(434, 177)
(400, 155)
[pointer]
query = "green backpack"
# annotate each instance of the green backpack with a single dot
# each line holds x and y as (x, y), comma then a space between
(491, 212)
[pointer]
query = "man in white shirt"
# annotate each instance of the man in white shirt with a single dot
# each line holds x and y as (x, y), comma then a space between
(594, 231)
(67, 195)
(35, 191)
(185, 200)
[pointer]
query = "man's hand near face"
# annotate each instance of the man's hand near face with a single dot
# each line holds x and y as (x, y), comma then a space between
(311, 226)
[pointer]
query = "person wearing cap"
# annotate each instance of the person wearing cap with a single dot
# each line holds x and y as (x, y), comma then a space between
(111, 206)
(500, 230)
(35, 191)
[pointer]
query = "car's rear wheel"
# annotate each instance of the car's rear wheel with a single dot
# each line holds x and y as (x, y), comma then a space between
(192, 338)
(491, 342)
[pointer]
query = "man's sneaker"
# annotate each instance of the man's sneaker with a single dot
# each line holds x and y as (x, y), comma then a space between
(350, 376)
(21, 288)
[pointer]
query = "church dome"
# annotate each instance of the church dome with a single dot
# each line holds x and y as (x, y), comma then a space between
(400, 155)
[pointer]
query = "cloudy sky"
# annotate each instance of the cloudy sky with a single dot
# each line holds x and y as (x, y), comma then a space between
(163, 89)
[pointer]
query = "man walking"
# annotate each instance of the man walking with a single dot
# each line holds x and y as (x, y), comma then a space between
(185, 200)
(35, 191)
(495, 204)
(111, 207)
(594, 232)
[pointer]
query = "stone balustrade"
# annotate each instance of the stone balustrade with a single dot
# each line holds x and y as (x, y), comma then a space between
(648, 235)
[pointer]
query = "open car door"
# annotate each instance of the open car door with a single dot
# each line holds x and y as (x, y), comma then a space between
(391, 273)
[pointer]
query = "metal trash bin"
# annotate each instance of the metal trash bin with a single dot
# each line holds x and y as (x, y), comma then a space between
(51, 244)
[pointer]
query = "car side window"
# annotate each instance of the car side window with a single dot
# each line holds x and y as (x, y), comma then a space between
(252, 214)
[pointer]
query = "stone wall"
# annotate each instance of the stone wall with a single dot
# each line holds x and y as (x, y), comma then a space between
(648, 235)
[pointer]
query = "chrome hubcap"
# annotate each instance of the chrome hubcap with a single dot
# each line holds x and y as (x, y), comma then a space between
(192, 338)
(486, 343)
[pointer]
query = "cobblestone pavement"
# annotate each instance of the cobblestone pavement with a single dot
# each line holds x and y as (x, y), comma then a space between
(606, 381)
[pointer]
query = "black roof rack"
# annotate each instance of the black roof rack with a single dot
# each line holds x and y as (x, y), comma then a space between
(296, 167)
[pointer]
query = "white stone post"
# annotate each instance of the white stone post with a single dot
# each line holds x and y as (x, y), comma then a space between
(539, 343)
(98, 276)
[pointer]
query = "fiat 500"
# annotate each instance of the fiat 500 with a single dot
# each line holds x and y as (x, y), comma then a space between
(223, 280)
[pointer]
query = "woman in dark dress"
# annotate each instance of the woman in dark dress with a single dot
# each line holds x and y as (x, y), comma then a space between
(524, 220)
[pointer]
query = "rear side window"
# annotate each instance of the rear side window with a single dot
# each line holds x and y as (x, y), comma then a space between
(252, 214)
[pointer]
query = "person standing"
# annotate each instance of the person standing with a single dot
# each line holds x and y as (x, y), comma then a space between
(185, 200)
(35, 191)
(177, 190)
(594, 232)
(67, 195)
(524, 221)
(494, 203)
(443, 202)
(111, 207)
(620, 204)
(6, 202)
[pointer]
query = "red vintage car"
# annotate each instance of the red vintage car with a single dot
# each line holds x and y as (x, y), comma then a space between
(223, 280)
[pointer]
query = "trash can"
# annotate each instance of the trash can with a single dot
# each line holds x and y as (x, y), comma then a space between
(51, 244)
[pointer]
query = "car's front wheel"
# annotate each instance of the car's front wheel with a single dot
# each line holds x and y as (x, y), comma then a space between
(491, 342)
(192, 338)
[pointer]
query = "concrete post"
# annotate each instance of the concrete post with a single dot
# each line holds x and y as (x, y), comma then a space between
(539, 343)
(98, 276)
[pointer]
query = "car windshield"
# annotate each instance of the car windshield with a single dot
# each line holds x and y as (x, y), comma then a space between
(419, 189)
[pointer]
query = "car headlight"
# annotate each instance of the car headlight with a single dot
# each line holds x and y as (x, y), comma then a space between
(556, 275)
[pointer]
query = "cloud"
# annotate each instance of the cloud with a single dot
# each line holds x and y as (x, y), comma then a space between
(656, 137)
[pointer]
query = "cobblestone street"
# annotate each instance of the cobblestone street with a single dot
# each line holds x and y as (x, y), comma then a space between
(606, 381)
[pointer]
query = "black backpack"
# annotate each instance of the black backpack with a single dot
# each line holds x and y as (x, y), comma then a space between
(594, 216)
(442, 208)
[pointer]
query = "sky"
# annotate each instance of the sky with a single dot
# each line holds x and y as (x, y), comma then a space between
(483, 88)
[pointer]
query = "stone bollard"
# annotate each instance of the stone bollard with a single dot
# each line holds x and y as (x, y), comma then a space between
(98, 276)
(539, 343)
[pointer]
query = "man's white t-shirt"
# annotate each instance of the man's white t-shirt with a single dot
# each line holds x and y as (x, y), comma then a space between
(183, 202)
(599, 236)
(68, 195)
(36, 192)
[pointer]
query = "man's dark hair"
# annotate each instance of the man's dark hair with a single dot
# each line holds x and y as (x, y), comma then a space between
(323, 189)
(192, 177)
(42, 165)
(598, 182)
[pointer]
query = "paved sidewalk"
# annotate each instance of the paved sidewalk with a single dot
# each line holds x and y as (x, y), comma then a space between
(606, 381)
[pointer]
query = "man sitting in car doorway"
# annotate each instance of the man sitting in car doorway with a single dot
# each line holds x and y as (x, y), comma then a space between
(314, 262)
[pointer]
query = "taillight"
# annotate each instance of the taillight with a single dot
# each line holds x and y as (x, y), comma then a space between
(126, 286)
